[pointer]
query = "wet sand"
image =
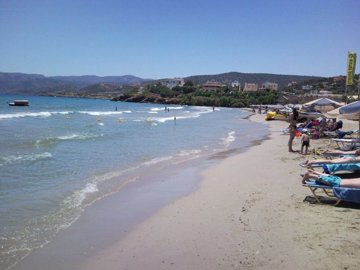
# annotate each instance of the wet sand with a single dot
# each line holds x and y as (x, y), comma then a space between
(249, 213)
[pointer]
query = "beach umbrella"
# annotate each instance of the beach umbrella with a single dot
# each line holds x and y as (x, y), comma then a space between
(351, 111)
(333, 113)
(322, 104)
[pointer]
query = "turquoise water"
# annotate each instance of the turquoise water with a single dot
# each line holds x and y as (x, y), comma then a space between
(59, 155)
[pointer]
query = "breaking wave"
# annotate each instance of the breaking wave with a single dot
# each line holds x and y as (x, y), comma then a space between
(99, 113)
(229, 139)
(53, 140)
(12, 159)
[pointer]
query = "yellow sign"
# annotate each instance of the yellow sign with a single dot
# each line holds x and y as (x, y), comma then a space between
(351, 68)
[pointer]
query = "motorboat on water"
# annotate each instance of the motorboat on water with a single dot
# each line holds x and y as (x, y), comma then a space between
(19, 102)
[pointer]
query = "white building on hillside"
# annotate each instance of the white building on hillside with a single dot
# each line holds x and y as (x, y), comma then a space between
(270, 85)
(235, 84)
(213, 86)
(251, 87)
(307, 87)
(171, 83)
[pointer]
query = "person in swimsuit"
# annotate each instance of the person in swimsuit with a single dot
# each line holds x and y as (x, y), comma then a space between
(351, 163)
(342, 153)
(292, 128)
(330, 180)
(305, 142)
(341, 160)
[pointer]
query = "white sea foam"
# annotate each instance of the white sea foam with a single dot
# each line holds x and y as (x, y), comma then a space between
(205, 110)
(31, 114)
(229, 139)
(71, 137)
(175, 108)
(189, 115)
(172, 118)
(53, 140)
(24, 158)
(157, 160)
(162, 119)
(62, 113)
(27, 114)
(157, 109)
(163, 108)
(79, 136)
(184, 153)
(77, 198)
(105, 113)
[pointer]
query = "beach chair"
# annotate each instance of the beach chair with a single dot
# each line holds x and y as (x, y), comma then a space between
(331, 134)
(334, 168)
(338, 194)
(317, 190)
(340, 134)
(347, 194)
(336, 155)
(347, 144)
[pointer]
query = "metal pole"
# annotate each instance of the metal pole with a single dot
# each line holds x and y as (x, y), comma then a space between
(358, 87)
(346, 97)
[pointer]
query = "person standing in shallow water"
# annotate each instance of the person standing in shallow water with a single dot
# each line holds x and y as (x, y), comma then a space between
(292, 127)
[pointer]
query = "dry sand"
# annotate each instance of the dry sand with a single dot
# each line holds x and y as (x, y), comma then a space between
(248, 213)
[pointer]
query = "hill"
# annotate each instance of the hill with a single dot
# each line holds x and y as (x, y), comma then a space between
(36, 84)
(227, 78)
(84, 81)
(110, 86)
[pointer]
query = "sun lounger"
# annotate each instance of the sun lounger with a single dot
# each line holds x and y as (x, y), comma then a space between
(336, 155)
(335, 168)
(312, 166)
(337, 193)
(347, 194)
(347, 144)
(339, 133)
(317, 190)
(331, 134)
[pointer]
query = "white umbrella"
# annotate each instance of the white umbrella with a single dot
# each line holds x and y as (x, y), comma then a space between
(322, 104)
(333, 114)
(351, 111)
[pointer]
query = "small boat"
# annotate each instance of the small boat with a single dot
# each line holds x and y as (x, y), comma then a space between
(19, 102)
(275, 116)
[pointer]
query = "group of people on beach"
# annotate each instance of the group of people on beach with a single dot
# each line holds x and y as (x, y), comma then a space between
(315, 128)
(345, 161)
(260, 109)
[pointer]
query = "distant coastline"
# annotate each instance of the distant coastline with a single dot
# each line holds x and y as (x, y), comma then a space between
(228, 91)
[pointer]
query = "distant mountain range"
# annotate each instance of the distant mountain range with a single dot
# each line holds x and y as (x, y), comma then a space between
(39, 84)
(36, 84)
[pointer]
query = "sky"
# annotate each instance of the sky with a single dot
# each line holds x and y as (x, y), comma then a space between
(178, 38)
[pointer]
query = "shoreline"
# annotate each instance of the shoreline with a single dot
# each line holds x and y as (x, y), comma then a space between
(248, 213)
(120, 212)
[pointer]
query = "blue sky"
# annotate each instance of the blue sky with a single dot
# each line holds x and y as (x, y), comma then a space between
(164, 38)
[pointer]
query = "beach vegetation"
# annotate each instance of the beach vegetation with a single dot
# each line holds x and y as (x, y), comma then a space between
(190, 94)
(163, 91)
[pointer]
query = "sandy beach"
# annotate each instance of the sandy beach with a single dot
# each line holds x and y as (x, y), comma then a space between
(248, 213)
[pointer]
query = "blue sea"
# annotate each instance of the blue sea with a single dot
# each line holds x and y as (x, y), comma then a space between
(60, 155)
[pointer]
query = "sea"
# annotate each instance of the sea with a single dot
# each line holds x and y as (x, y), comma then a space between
(60, 156)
